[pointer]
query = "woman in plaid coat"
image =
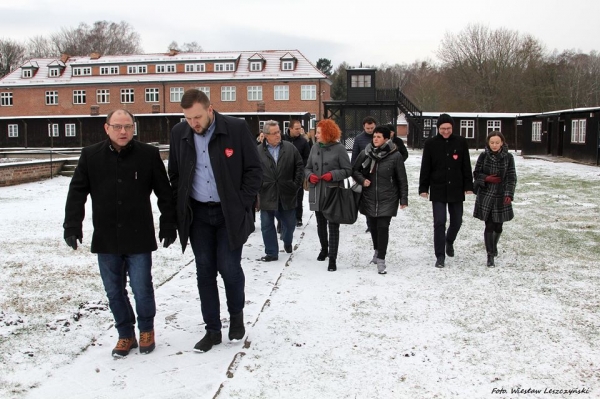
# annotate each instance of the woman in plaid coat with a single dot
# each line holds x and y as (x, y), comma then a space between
(495, 178)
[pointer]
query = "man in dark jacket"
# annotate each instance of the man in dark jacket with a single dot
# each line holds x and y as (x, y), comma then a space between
(283, 171)
(215, 174)
(120, 174)
(301, 143)
(360, 142)
(398, 141)
(446, 176)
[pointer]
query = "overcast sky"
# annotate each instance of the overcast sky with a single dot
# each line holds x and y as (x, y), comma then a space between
(373, 32)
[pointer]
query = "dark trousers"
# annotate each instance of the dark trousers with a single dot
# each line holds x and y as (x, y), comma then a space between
(440, 235)
(380, 233)
(299, 200)
(333, 241)
(209, 241)
(492, 227)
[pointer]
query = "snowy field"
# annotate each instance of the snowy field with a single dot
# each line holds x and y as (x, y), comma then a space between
(527, 328)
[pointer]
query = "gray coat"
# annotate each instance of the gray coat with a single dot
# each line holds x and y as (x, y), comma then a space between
(490, 197)
(323, 158)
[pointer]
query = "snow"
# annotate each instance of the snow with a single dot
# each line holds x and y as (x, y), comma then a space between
(465, 331)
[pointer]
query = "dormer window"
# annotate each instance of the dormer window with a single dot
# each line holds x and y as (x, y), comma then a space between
(137, 69)
(256, 66)
(195, 67)
(54, 72)
(26, 73)
(287, 65)
(225, 67)
(82, 71)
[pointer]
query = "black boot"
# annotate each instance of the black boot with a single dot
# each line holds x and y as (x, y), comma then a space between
(323, 254)
(496, 239)
(211, 339)
(488, 238)
(236, 326)
(332, 266)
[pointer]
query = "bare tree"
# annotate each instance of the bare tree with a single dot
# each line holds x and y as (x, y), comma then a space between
(12, 55)
(106, 38)
(41, 47)
(192, 47)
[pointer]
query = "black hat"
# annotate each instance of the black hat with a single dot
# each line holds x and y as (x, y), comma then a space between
(444, 118)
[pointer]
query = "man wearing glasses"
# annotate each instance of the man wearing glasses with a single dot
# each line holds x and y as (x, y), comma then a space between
(445, 178)
(120, 174)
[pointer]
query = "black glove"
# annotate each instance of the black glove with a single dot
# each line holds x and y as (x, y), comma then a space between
(72, 241)
(168, 237)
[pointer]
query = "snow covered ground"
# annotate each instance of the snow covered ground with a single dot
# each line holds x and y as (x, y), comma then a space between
(527, 328)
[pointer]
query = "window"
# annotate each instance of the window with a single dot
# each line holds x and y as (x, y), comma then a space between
(127, 96)
(536, 131)
(176, 94)
(26, 73)
(282, 92)
(467, 129)
(287, 65)
(205, 90)
(78, 96)
(103, 96)
(313, 121)
(51, 98)
(13, 130)
(53, 72)
(195, 67)
(493, 126)
(6, 99)
(224, 67)
(227, 93)
(81, 71)
(578, 131)
(168, 68)
(69, 130)
(255, 93)
(360, 81)
(256, 66)
(427, 123)
(137, 69)
(261, 125)
(52, 129)
(308, 92)
(109, 70)
(152, 95)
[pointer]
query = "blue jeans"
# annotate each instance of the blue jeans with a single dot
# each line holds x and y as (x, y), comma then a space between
(440, 235)
(209, 241)
(269, 233)
(114, 270)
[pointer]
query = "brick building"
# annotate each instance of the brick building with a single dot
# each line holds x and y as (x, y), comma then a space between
(63, 102)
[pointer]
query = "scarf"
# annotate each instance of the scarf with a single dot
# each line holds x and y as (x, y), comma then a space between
(375, 154)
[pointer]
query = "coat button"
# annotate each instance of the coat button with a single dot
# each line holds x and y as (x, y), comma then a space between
(119, 180)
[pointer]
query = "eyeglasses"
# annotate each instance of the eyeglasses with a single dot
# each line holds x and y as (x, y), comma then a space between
(118, 128)
(270, 134)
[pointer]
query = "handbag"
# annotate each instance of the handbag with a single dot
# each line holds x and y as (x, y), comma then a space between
(341, 204)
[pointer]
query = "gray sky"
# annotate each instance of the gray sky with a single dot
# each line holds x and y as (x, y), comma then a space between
(373, 32)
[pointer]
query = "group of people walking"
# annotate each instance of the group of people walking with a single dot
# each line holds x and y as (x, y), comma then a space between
(218, 176)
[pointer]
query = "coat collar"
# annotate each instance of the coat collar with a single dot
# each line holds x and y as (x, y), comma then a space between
(219, 122)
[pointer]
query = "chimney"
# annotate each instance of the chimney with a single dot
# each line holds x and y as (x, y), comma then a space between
(173, 52)
(95, 55)
(64, 57)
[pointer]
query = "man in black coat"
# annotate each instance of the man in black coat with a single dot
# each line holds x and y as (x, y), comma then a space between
(446, 175)
(360, 143)
(283, 171)
(120, 174)
(398, 141)
(215, 174)
(301, 143)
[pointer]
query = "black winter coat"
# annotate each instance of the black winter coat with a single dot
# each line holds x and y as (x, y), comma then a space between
(302, 145)
(238, 174)
(446, 169)
(120, 184)
(281, 180)
(389, 184)
(401, 147)
(360, 142)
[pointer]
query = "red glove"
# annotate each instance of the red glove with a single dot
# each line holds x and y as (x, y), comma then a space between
(314, 179)
(327, 176)
(493, 179)
(507, 200)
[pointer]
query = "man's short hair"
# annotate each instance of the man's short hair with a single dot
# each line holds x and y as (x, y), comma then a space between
(369, 120)
(293, 122)
(268, 124)
(194, 96)
(110, 114)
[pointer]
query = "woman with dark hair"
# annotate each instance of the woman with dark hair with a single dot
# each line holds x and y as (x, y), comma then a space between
(328, 165)
(380, 170)
(495, 178)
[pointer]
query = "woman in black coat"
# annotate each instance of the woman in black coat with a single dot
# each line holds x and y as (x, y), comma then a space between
(380, 170)
(495, 178)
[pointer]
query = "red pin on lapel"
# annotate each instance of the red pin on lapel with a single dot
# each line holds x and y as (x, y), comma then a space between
(228, 152)
(455, 156)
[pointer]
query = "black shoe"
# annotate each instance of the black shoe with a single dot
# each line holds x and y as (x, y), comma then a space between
(288, 248)
(268, 258)
(449, 249)
(332, 266)
(322, 255)
(439, 263)
(299, 223)
(490, 260)
(210, 339)
(236, 327)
